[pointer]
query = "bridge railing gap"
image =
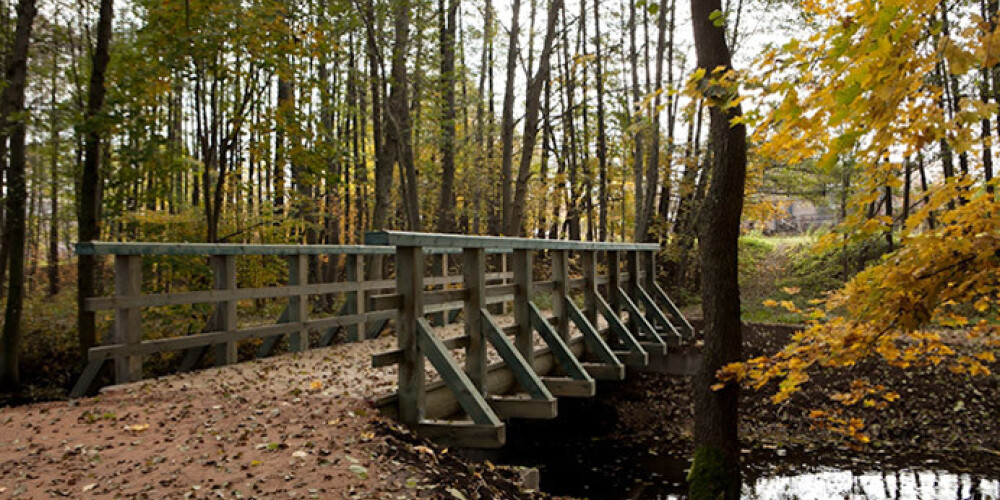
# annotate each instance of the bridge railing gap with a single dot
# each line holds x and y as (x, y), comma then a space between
(467, 406)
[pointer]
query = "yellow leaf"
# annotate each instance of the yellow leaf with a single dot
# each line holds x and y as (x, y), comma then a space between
(137, 427)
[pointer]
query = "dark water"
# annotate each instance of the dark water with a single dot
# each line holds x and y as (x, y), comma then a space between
(576, 457)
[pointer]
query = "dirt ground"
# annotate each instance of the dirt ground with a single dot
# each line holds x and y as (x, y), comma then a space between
(293, 426)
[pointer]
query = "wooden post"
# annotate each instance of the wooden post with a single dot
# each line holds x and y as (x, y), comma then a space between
(632, 263)
(224, 272)
(440, 269)
(521, 263)
(649, 264)
(474, 273)
(356, 299)
(560, 289)
(588, 259)
(128, 321)
(298, 305)
(410, 287)
(614, 281)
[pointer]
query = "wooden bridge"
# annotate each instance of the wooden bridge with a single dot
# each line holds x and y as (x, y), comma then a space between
(466, 407)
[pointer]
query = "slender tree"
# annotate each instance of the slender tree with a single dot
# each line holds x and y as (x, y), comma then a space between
(715, 472)
(14, 120)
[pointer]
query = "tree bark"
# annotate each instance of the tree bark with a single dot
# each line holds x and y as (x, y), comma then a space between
(13, 103)
(602, 135)
(532, 107)
(446, 203)
(715, 472)
(88, 219)
(54, 179)
(507, 123)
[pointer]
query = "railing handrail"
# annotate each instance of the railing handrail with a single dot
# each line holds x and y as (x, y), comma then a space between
(195, 249)
(434, 240)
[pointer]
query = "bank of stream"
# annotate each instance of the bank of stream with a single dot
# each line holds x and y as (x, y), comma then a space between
(633, 440)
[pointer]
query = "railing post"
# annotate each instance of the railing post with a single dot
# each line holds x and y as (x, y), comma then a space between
(410, 287)
(649, 264)
(224, 272)
(298, 305)
(632, 263)
(440, 269)
(474, 274)
(356, 299)
(614, 281)
(521, 264)
(588, 259)
(560, 275)
(128, 321)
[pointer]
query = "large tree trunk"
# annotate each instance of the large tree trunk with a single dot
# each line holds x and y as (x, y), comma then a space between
(715, 472)
(13, 103)
(398, 135)
(635, 121)
(507, 122)
(54, 179)
(446, 204)
(532, 110)
(90, 184)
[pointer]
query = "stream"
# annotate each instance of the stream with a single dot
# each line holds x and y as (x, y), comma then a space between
(575, 457)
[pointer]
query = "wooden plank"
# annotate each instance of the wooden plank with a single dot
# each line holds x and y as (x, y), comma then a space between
(410, 285)
(224, 275)
(614, 281)
(543, 286)
(86, 379)
(567, 360)
(188, 341)
(444, 296)
(674, 311)
(463, 434)
(355, 300)
(473, 269)
(577, 283)
(522, 370)
(633, 358)
(521, 264)
(560, 273)
(566, 387)
(638, 319)
(298, 305)
(128, 321)
(603, 371)
(515, 407)
(501, 290)
(210, 296)
(406, 238)
(327, 338)
(267, 346)
(207, 249)
(590, 335)
(468, 396)
(632, 263)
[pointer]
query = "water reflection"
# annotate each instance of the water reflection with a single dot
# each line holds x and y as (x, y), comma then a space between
(827, 484)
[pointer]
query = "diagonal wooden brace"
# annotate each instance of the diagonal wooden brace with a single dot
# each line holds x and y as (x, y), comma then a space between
(674, 311)
(658, 314)
(590, 335)
(619, 328)
(563, 355)
(454, 377)
(523, 372)
(637, 316)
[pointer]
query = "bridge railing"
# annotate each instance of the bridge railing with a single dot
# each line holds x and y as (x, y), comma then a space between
(364, 312)
(478, 397)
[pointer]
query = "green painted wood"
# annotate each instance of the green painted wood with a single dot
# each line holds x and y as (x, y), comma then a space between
(86, 379)
(206, 249)
(658, 314)
(432, 240)
(458, 382)
(617, 327)
(522, 371)
(674, 310)
(590, 334)
(564, 356)
(636, 315)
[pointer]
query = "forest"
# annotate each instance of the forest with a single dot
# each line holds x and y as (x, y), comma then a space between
(693, 125)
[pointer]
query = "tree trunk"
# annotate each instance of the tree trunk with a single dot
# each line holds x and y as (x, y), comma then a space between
(635, 122)
(13, 103)
(446, 204)
(507, 122)
(602, 136)
(398, 136)
(532, 108)
(88, 221)
(54, 180)
(715, 472)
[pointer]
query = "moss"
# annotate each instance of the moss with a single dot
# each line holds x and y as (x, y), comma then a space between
(710, 478)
